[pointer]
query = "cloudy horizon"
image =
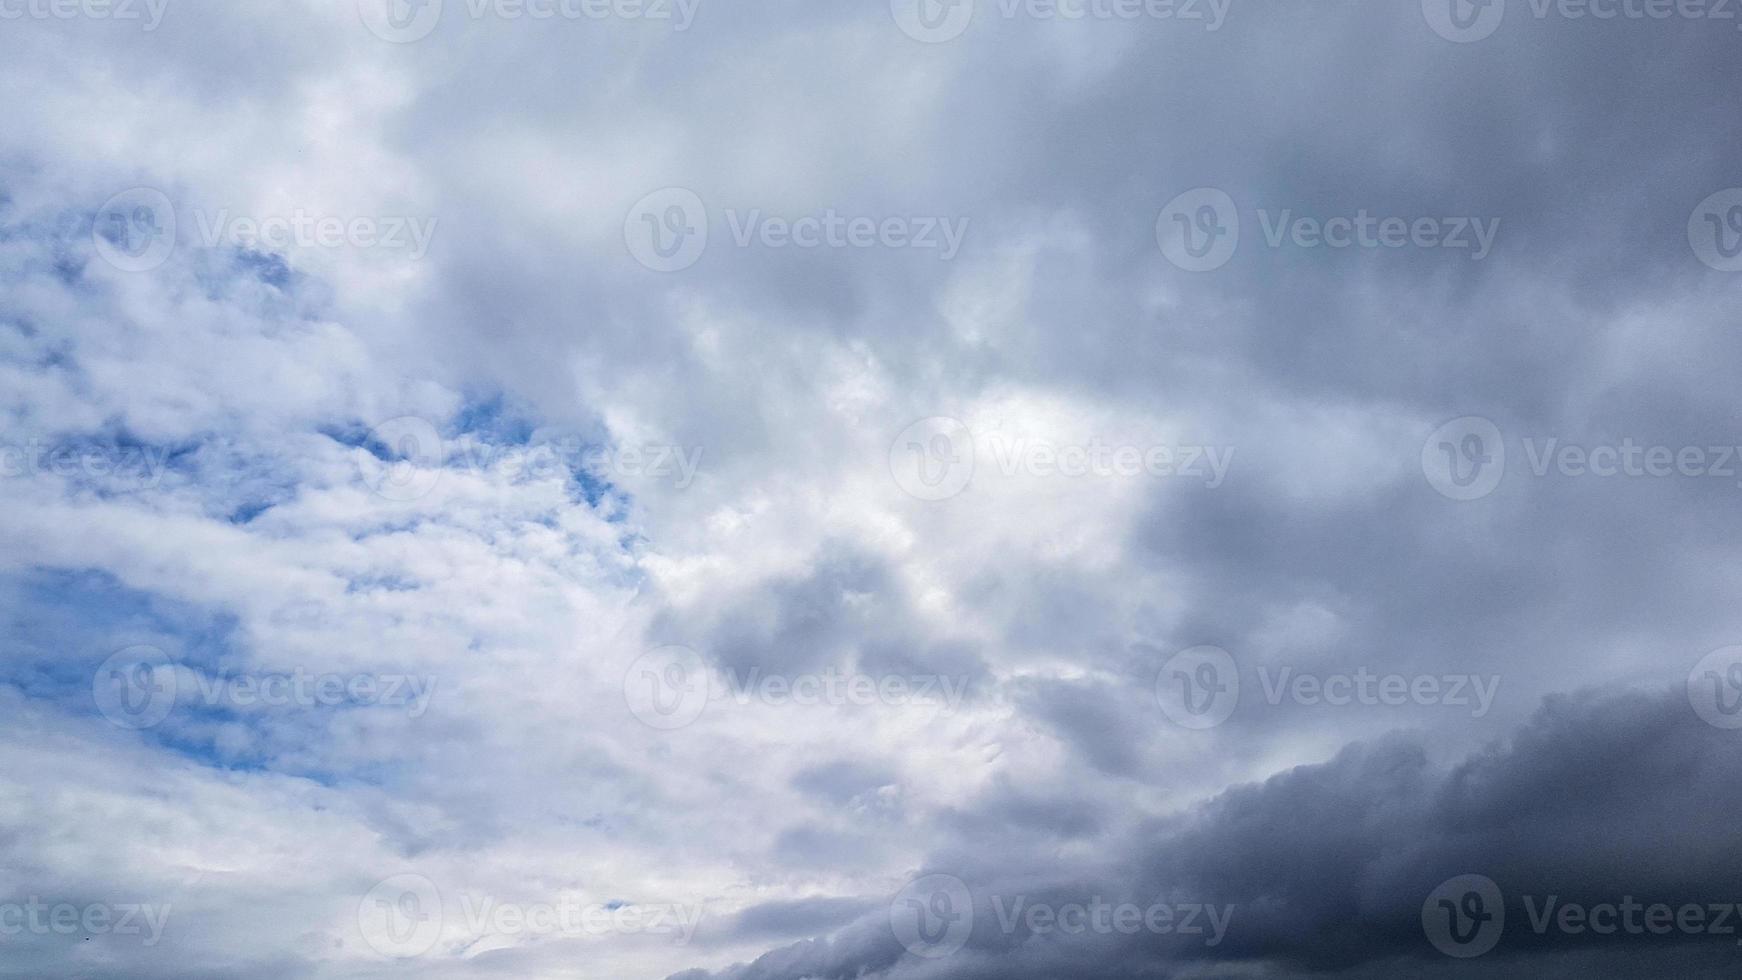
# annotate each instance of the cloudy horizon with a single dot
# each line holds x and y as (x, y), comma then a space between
(917, 490)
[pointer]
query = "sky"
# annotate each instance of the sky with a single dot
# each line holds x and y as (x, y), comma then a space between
(912, 489)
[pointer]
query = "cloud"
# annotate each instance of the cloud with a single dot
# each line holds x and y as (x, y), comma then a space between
(193, 459)
(1325, 868)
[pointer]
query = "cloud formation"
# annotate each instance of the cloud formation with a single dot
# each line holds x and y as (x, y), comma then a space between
(590, 489)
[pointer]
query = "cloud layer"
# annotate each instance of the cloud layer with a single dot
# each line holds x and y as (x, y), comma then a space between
(628, 489)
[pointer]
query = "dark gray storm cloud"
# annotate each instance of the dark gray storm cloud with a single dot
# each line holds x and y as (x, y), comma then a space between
(1600, 799)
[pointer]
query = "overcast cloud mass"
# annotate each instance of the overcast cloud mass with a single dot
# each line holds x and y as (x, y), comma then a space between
(911, 489)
